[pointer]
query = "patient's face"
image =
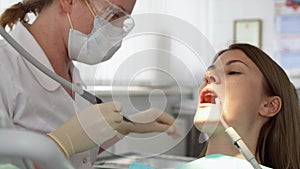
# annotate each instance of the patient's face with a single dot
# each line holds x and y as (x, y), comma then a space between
(238, 83)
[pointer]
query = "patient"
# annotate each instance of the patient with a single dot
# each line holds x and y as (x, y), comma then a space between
(258, 101)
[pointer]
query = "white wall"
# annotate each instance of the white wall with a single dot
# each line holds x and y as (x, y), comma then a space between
(222, 14)
(192, 11)
(6, 3)
(214, 18)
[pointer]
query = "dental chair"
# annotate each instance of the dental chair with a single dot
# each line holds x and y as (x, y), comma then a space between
(20, 148)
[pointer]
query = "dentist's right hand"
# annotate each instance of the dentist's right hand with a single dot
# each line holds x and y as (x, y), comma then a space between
(88, 128)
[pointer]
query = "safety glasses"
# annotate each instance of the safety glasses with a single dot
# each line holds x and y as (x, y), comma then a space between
(111, 13)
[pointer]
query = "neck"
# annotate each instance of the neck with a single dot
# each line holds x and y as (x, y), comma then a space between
(51, 38)
(221, 144)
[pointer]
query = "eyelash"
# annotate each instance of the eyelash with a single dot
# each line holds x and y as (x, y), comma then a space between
(233, 73)
(229, 73)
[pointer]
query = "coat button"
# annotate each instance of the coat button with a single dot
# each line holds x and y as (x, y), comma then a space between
(84, 160)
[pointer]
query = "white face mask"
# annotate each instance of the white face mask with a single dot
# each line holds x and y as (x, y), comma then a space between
(106, 36)
(99, 46)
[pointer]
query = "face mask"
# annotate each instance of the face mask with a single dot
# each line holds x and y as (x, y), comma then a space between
(104, 40)
(99, 46)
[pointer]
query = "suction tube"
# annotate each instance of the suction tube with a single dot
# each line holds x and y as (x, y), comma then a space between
(237, 140)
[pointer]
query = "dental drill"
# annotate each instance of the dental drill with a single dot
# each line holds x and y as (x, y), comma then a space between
(237, 140)
(83, 93)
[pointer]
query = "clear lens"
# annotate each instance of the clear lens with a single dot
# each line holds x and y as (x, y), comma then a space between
(113, 14)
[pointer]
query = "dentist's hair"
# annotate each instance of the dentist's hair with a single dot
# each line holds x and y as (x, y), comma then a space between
(278, 144)
(18, 11)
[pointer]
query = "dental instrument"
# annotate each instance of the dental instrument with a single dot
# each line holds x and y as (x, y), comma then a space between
(83, 93)
(237, 140)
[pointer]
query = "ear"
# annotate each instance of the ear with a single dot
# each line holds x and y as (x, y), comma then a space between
(66, 5)
(271, 106)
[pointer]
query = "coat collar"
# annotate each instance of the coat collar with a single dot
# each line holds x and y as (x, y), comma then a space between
(27, 41)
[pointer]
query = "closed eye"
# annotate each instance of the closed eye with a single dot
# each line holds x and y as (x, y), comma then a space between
(233, 73)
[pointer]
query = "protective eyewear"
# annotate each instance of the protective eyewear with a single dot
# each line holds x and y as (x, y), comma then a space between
(111, 13)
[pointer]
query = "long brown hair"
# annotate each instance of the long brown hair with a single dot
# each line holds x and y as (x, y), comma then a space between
(279, 139)
(18, 11)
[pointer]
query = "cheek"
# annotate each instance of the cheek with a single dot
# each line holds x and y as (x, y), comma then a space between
(83, 21)
(241, 104)
(89, 26)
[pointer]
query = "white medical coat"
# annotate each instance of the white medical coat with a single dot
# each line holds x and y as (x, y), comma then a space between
(32, 100)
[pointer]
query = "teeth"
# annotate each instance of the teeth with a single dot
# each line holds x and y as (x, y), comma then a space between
(209, 94)
(208, 97)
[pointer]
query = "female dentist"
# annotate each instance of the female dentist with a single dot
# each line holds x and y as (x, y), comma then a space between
(66, 30)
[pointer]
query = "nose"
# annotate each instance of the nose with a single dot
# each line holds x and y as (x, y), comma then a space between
(211, 77)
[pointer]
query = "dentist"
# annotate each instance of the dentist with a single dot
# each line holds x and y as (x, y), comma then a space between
(87, 31)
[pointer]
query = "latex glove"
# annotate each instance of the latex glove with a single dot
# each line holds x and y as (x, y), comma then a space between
(88, 128)
(151, 120)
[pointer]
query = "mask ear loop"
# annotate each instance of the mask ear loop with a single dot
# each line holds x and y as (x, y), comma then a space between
(237, 140)
(69, 19)
(89, 6)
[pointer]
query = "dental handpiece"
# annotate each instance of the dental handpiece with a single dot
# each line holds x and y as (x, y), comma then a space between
(237, 140)
(85, 94)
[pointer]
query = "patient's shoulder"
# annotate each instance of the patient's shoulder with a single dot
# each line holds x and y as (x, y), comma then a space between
(218, 161)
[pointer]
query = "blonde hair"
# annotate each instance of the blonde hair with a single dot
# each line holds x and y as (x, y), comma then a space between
(18, 11)
(278, 144)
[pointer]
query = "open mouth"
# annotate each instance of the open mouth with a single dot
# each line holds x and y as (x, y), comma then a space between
(208, 96)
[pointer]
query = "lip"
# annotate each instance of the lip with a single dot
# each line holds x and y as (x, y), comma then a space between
(207, 97)
(205, 105)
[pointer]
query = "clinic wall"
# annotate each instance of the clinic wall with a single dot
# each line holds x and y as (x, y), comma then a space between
(192, 11)
(6, 3)
(214, 18)
(222, 13)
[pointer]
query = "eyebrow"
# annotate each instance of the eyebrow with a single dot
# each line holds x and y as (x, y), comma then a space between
(211, 67)
(236, 61)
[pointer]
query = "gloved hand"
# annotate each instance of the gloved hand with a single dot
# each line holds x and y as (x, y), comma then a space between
(88, 128)
(151, 120)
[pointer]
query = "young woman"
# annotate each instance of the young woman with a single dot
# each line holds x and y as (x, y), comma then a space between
(258, 101)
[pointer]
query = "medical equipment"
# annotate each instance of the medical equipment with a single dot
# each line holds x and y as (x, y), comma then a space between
(85, 94)
(237, 140)
(34, 146)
